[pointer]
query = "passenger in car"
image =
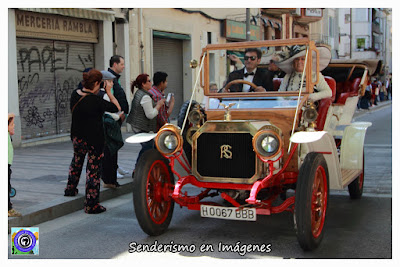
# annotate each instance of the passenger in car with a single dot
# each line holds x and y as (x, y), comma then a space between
(294, 66)
(260, 77)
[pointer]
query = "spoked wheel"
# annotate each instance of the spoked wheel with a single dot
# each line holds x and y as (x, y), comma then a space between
(357, 186)
(153, 186)
(311, 201)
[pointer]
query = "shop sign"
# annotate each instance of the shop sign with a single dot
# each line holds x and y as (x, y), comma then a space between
(237, 30)
(47, 26)
(313, 12)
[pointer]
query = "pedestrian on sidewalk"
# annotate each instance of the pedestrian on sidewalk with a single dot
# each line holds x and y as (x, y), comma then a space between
(374, 93)
(117, 66)
(365, 100)
(113, 137)
(144, 111)
(87, 135)
(389, 86)
(157, 92)
(11, 130)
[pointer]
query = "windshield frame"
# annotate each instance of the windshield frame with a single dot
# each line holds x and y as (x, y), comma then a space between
(205, 72)
(270, 102)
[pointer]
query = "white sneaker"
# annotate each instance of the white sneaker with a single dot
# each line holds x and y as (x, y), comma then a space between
(122, 171)
(119, 176)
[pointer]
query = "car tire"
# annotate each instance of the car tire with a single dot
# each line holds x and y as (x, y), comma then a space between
(356, 187)
(311, 201)
(152, 189)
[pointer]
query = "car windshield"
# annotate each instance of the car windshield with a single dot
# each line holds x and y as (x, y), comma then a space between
(252, 69)
(254, 102)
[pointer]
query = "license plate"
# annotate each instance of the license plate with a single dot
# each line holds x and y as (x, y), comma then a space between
(228, 213)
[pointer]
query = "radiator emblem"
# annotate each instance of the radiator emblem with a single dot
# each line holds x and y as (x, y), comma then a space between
(225, 152)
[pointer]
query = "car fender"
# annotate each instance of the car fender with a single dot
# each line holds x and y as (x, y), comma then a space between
(140, 138)
(321, 142)
(352, 147)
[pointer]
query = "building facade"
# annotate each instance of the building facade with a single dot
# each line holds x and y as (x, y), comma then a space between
(48, 51)
(166, 39)
(365, 33)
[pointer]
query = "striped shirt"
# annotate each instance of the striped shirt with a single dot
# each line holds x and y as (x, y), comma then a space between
(162, 117)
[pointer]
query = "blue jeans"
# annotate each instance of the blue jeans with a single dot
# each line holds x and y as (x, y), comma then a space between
(145, 146)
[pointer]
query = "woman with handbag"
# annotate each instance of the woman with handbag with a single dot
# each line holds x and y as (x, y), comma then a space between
(87, 137)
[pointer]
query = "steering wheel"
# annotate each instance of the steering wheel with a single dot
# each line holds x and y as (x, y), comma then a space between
(239, 81)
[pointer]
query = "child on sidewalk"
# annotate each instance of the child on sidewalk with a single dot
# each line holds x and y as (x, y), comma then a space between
(11, 212)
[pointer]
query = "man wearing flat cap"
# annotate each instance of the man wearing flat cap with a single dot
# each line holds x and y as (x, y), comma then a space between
(110, 161)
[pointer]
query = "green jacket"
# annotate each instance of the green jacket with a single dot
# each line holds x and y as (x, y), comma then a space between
(10, 150)
(112, 134)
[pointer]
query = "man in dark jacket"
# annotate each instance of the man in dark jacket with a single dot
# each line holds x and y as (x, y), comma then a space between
(110, 161)
(261, 77)
(117, 66)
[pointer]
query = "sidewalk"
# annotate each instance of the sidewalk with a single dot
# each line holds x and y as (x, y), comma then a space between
(361, 112)
(40, 175)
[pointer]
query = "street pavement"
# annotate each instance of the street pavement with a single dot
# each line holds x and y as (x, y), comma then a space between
(40, 173)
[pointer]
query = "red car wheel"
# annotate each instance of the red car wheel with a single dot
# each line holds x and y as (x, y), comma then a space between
(153, 185)
(311, 201)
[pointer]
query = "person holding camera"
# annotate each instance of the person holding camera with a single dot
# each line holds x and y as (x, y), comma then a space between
(144, 111)
(87, 135)
(113, 136)
(160, 83)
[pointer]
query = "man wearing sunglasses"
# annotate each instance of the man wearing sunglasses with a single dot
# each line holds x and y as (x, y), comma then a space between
(261, 77)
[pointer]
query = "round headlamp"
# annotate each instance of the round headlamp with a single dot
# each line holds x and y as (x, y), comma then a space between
(310, 114)
(195, 116)
(168, 140)
(267, 144)
(270, 144)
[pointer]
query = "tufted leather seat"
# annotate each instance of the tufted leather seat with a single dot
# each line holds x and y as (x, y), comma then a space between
(325, 103)
(277, 83)
(347, 89)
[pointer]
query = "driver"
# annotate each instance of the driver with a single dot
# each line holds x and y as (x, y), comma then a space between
(260, 77)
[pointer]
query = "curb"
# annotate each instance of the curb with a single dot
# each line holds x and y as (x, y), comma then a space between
(59, 207)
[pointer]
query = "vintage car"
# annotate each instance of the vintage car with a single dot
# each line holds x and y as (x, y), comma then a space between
(256, 153)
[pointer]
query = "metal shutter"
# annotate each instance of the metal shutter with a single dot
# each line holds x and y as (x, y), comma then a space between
(167, 57)
(36, 89)
(48, 71)
(71, 60)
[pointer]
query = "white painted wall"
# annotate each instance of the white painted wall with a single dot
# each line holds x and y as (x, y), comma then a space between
(13, 100)
(176, 21)
(123, 50)
(103, 50)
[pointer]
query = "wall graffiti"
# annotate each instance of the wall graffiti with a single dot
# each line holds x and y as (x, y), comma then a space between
(33, 117)
(47, 75)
